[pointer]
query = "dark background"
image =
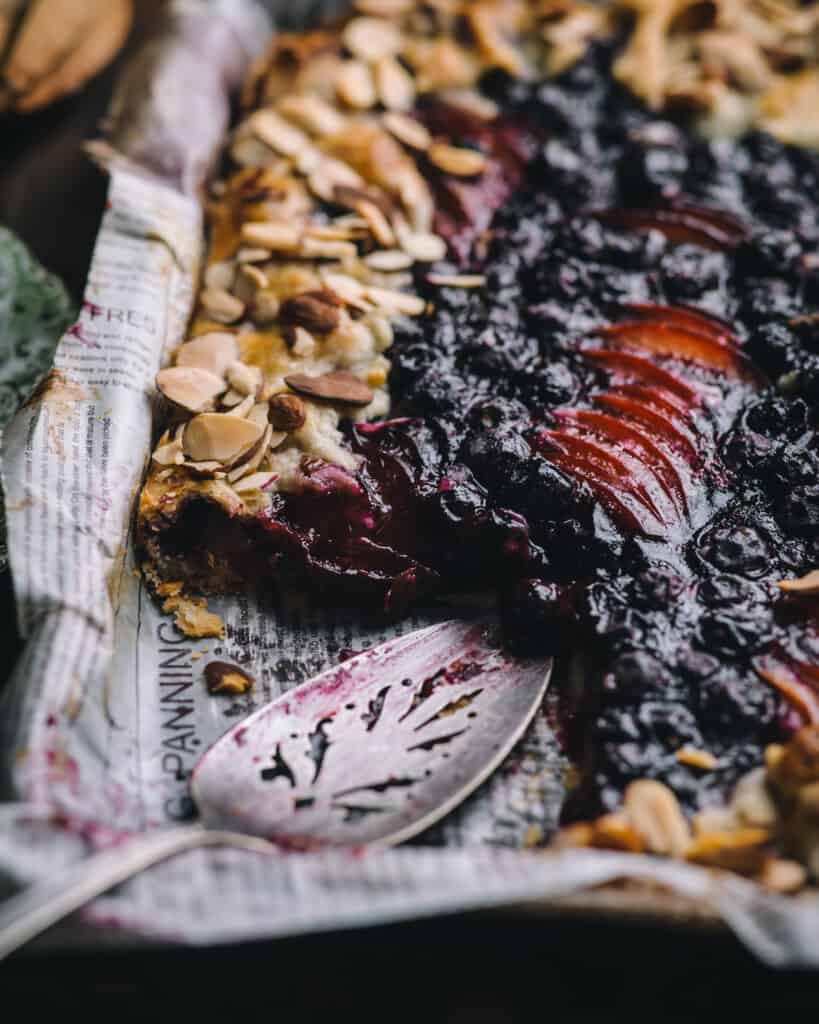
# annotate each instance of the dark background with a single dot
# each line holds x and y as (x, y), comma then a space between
(476, 969)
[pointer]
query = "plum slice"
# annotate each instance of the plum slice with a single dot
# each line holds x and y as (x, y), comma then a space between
(628, 437)
(658, 398)
(656, 422)
(672, 340)
(628, 367)
(696, 225)
(685, 317)
(610, 467)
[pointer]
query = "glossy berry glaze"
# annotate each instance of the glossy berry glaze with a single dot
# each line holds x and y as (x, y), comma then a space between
(616, 433)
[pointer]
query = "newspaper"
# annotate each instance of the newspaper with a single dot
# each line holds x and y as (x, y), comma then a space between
(107, 713)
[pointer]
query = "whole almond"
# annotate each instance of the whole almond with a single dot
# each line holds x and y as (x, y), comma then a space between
(338, 386)
(286, 412)
(317, 311)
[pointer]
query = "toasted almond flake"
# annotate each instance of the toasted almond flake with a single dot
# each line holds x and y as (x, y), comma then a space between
(355, 86)
(255, 482)
(190, 387)
(308, 160)
(378, 223)
(243, 408)
(338, 386)
(334, 232)
(456, 160)
(265, 307)
(246, 255)
(248, 151)
(347, 289)
(168, 454)
(743, 850)
(472, 102)
(257, 278)
(220, 275)
(331, 173)
(387, 260)
(396, 302)
(697, 758)
(257, 453)
(247, 380)
(422, 246)
(655, 815)
(496, 48)
(213, 351)
(457, 280)
(220, 305)
(210, 469)
(327, 249)
(807, 584)
(382, 332)
(780, 875)
(230, 399)
(394, 84)
(274, 235)
(219, 437)
(370, 39)
(384, 8)
(407, 130)
(304, 344)
(312, 114)
(260, 413)
(277, 133)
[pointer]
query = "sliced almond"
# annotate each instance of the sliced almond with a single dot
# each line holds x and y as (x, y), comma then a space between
(457, 280)
(248, 151)
(396, 302)
(807, 584)
(230, 399)
(355, 86)
(694, 758)
(286, 412)
(316, 310)
(471, 102)
(256, 277)
(243, 408)
(257, 453)
(248, 255)
(168, 454)
(190, 387)
(378, 223)
(220, 275)
(496, 48)
(312, 114)
(219, 437)
(260, 413)
(255, 482)
(275, 235)
(247, 380)
(213, 351)
(744, 850)
(347, 288)
(394, 84)
(655, 815)
(329, 175)
(388, 260)
(327, 249)
(457, 160)
(780, 875)
(384, 8)
(209, 469)
(276, 132)
(265, 307)
(338, 386)
(370, 39)
(422, 246)
(407, 130)
(220, 305)
(302, 343)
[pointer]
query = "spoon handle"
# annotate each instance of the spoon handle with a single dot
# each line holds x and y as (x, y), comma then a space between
(31, 911)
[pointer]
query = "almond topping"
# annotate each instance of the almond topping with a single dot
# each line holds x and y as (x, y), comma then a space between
(222, 677)
(743, 850)
(317, 311)
(190, 387)
(247, 380)
(214, 351)
(220, 276)
(277, 133)
(220, 437)
(255, 482)
(388, 260)
(457, 280)
(338, 386)
(265, 307)
(169, 454)
(370, 39)
(394, 84)
(782, 875)
(286, 412)
(354, 85)
(425, 248)
(271, 235)
(655, 815)
(220, 305)
(313, 114)
(407, 130)
(396, 302)
(807, 584)
(456, 160)
(378, 223)
(384, 8)
(697, 758)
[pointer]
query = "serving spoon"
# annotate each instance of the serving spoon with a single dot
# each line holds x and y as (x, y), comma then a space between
(368, 753)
